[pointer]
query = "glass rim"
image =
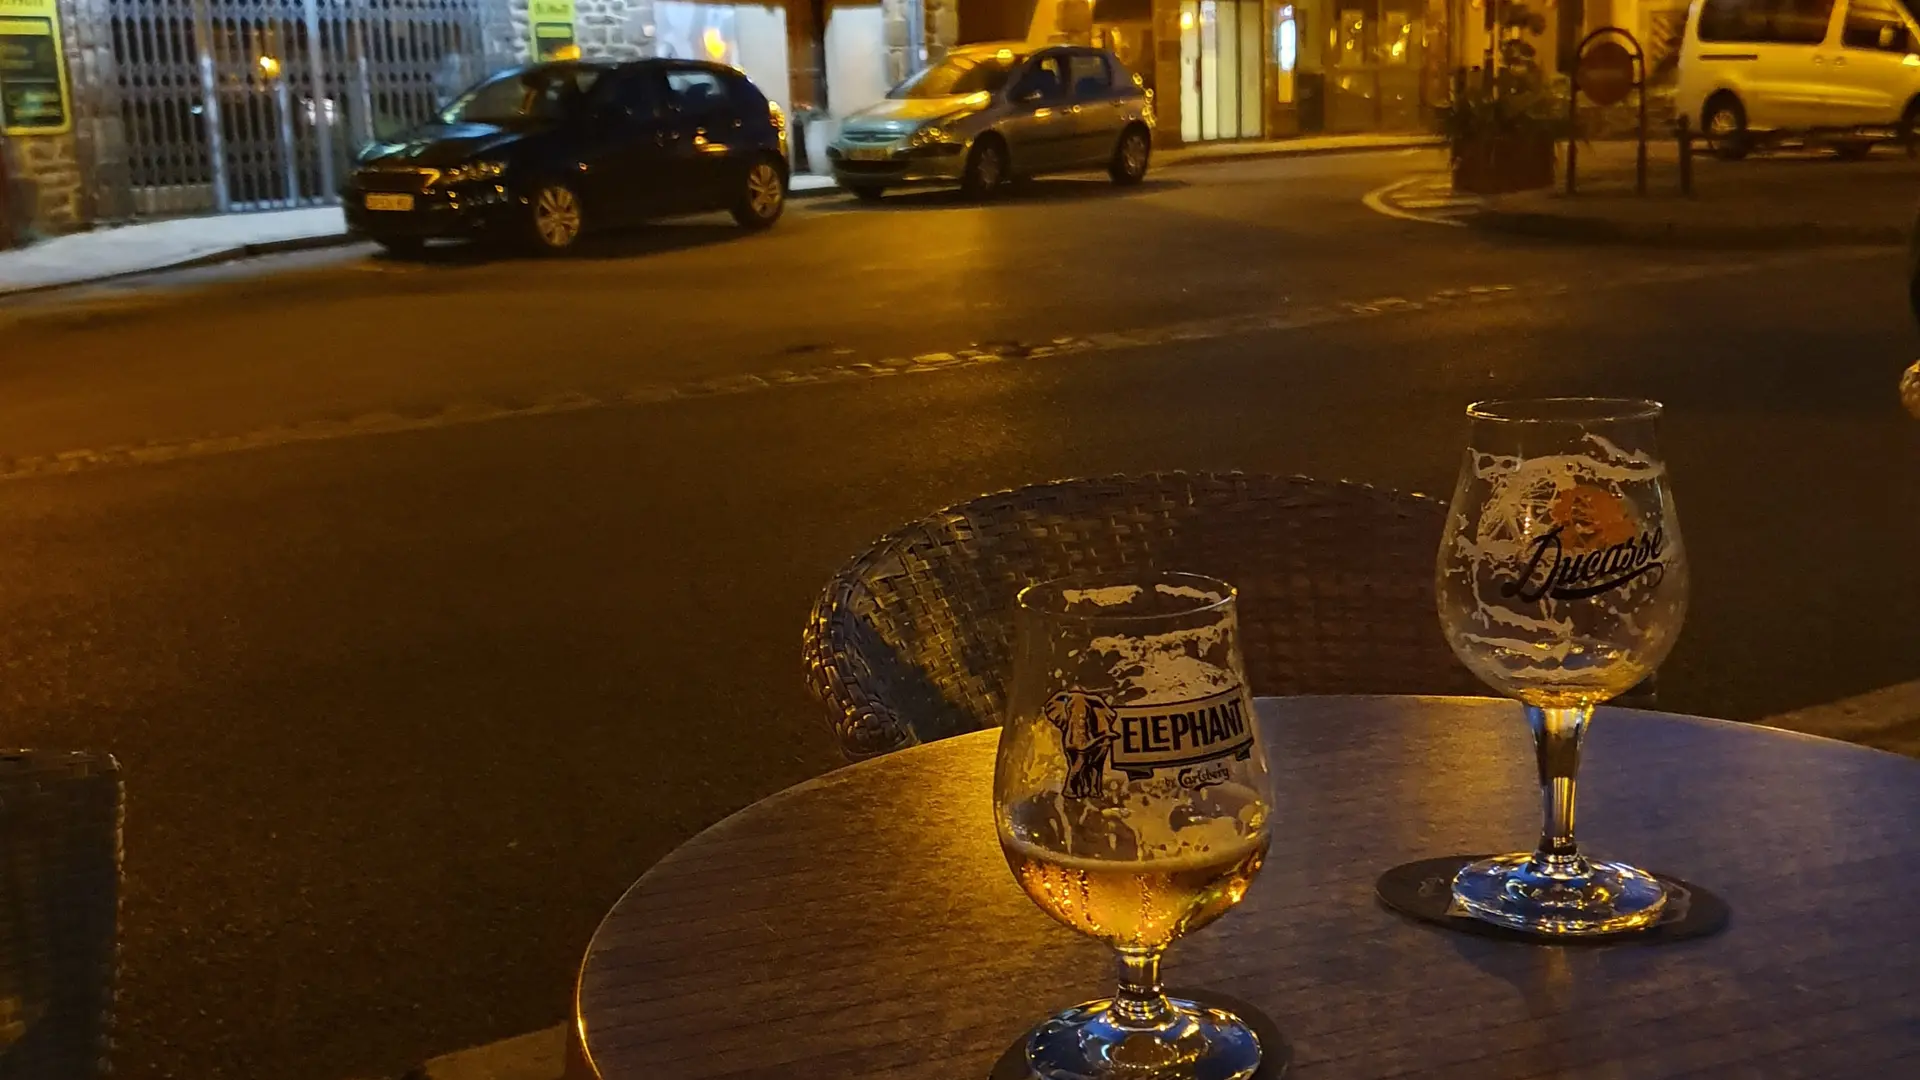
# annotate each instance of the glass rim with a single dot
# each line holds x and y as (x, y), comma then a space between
(1565, 410)
(1227, 595)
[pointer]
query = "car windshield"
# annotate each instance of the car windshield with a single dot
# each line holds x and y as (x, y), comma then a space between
(533, 95)
(960, 74)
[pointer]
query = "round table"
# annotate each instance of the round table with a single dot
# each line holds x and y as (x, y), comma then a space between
(864, 924)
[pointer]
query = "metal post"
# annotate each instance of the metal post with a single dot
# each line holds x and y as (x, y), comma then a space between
(283, 101)
(1573, 129)
(210, 107)
(1686, 156)
(322, 104)
(1640, 159)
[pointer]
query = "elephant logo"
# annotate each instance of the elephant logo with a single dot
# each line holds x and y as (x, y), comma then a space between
(1088, 726)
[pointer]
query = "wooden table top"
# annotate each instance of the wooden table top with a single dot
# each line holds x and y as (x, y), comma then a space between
(864, 924)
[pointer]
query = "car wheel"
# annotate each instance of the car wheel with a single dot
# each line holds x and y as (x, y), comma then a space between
(763, 195)
(1853, 149)
(401, 245)
(1725, 123)
(867, 192)
(554, 218)
(986, 169)
(1129, 165)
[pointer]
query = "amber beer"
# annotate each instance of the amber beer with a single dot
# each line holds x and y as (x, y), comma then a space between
(1142, 904)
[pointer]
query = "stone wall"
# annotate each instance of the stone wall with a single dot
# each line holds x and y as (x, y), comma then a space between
(48, 182)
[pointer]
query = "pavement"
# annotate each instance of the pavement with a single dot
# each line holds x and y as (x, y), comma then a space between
(179, 243)
(428, 602)
(1775, 200)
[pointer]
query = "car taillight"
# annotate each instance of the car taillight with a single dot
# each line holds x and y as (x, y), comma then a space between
(779, 118)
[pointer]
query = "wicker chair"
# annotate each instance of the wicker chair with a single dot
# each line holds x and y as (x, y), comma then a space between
(910, 641)
(59, 913)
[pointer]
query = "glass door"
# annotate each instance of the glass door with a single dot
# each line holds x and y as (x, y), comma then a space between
(1220, 69)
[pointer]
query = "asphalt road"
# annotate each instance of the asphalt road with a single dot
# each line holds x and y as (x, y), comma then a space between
(427, 604)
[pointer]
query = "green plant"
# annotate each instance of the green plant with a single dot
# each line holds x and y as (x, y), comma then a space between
(1515, 99)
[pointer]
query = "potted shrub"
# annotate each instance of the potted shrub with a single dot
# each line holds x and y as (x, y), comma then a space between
(1501, 131)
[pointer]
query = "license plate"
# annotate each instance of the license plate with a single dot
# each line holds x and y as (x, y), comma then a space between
(869, 153)
(389, 202)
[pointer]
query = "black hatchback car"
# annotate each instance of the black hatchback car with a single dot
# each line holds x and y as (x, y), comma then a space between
(542, 154)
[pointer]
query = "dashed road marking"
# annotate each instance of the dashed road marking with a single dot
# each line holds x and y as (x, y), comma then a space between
(1427, 199)
(461, 413)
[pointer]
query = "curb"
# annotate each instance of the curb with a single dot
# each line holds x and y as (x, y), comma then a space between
(311, 243)
(1420, 142)
(537, 1055)
(254, 250)
(211, 258)
(1684, 234)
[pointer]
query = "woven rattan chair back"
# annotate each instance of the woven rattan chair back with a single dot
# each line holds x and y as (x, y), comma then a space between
(910, 641)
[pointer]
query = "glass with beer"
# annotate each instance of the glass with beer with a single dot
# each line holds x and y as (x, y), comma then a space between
(1131, 798)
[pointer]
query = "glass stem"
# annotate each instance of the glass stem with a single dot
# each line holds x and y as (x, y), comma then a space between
(1141, 1002)
(1557, 734)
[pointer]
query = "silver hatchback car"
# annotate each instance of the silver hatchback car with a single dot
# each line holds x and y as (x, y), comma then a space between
(988, 113)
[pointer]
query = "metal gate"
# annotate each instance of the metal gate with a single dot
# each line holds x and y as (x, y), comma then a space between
(257, 104)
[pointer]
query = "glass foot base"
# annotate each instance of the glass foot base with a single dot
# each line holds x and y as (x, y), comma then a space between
(1569, 897)
(1196, 1042)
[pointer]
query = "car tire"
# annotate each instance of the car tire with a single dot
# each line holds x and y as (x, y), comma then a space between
(867, 193)
(986, 169)
(763, 194)
(1129, 164)
(1853, 149)
(555, 219)
(404, 246)
(1724, 120)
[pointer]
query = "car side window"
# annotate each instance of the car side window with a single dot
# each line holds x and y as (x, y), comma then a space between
(1784, 22)
(1089, 76)
(1875, 24)
(1046, 75)
(636, 93)
(696, 91)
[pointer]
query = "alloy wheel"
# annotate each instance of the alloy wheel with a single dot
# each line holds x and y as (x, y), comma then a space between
(556, 217)
(764, 191)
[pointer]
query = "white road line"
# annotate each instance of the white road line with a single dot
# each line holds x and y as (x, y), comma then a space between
(1449, 201)
(1376, 201)
(466, 412)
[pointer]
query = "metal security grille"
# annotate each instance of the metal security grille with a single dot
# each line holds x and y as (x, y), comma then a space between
(256, 104)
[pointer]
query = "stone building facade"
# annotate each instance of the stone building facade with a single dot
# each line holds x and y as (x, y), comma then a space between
(103, 172)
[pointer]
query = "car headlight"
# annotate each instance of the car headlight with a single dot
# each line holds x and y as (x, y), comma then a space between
(475, 170)
(930, 135)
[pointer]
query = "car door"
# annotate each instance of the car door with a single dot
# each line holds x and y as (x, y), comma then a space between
(629, 180)
(1870, 77)
(1795, 68)
(1040, 126)
(1098, 110)
(701, 128)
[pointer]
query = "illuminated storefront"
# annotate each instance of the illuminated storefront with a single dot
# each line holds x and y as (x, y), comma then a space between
(1256, 69)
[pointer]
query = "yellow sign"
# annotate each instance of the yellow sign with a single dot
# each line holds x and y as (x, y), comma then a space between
(552, 25)
(33, 70)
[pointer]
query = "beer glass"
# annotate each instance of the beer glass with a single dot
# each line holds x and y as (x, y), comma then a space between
(1131, 800)
(1562, 582)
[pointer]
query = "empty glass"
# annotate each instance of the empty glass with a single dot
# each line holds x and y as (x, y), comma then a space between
(1563, 583)
(1131, 800)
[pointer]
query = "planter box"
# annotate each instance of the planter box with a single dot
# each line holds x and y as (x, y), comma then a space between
(1496, 165)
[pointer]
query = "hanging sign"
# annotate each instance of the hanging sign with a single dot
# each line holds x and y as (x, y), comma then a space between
(33, 70)
(551, 22)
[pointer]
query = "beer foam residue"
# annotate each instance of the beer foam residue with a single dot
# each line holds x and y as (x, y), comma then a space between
(1109, 596)
(1189, 592)
(1168, 667)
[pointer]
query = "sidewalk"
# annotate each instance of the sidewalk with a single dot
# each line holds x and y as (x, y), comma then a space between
(1802, 199)
(83, 258)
